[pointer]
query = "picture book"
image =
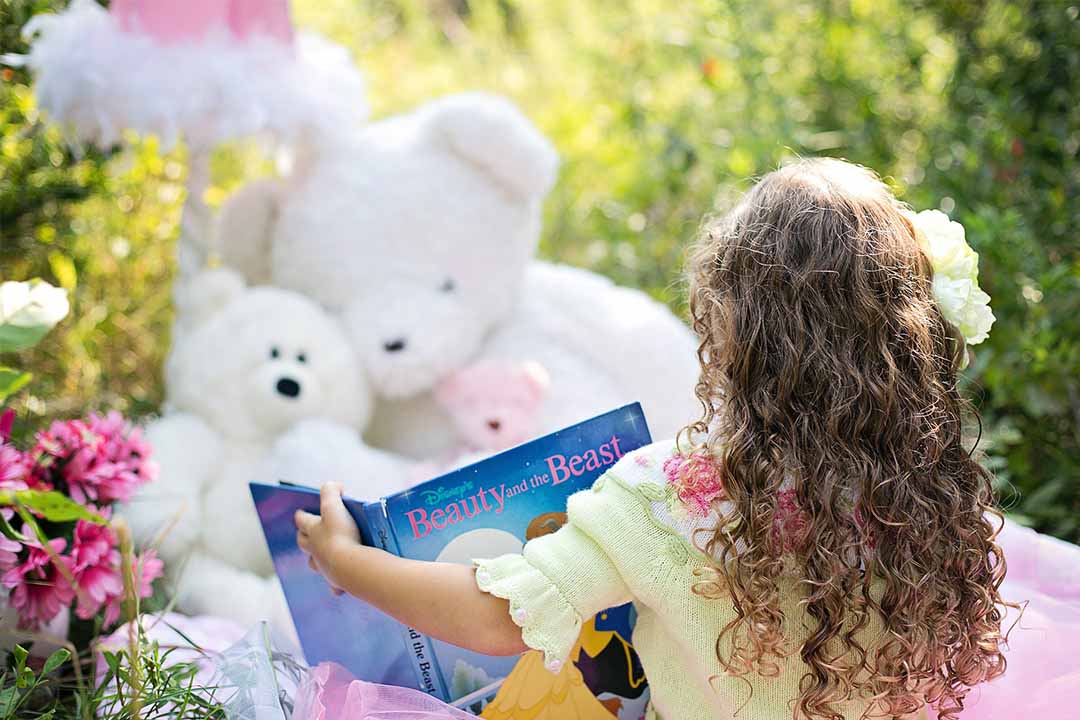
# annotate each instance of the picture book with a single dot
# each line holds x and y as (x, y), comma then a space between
(485, 509)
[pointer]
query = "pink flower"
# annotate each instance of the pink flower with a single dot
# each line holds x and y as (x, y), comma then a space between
(696, 481)
(151, 568)
(9, 553)
(14, 468)
(9, 549)
(91, 543)
(7, 422)
(100, 459)
(38, 590)
(146, 569)
(99, 585)
(96, 564)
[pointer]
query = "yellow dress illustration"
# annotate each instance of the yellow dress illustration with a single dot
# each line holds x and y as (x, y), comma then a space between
(532, 692)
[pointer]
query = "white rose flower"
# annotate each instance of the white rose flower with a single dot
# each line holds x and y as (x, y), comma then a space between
(956, 275)
(28, 310)
(32, 304)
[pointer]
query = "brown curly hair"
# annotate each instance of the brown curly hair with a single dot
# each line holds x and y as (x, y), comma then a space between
(828, 371)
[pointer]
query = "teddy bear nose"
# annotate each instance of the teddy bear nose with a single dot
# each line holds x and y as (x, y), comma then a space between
(396, 345)
(288, 387)
(494, 425)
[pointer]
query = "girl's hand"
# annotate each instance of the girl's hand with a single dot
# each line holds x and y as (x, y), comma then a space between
(323, 537)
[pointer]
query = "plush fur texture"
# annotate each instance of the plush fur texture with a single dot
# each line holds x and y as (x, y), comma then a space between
(255, 363)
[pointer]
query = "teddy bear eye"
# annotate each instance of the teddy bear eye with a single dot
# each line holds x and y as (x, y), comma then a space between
(448, 285)
(301, 358)
(275, 353)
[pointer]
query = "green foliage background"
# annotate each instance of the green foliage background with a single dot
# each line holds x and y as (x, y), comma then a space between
(662, 111)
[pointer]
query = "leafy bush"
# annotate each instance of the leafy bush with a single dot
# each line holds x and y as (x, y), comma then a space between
(662, 111)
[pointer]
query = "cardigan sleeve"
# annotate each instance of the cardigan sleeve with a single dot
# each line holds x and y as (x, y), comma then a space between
(557, 582)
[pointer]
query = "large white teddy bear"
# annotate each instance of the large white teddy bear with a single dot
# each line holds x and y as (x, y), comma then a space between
(255, 362)
(420, 231)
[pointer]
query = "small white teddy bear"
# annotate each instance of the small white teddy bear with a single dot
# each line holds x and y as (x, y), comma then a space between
(255, 362)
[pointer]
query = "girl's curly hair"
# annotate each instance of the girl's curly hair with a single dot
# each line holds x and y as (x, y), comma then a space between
(828, 369)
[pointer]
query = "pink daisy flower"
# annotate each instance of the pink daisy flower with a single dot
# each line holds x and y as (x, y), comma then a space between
(147, 568)
(91, 543)
(99, 585)
(96, 564)
(38, 590)
(696, 481)
(9, 553)
(7, 422)
(14, 468)
(9, 549)
(100, 459)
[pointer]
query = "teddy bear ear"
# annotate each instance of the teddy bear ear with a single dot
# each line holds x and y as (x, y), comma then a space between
(492, 133)
(244, 228)
(207, 292)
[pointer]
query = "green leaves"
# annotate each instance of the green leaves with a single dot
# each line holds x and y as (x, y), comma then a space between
(20, 682)
(11, 381)
(55, 660)
(14, 338)
(49, 504)
(9, 699)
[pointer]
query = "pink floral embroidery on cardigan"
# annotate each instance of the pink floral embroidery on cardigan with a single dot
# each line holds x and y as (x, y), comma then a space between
(696, 481)
(860, 522)
(790, 524)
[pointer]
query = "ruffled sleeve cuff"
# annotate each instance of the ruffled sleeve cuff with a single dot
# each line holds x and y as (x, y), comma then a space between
(548, 622)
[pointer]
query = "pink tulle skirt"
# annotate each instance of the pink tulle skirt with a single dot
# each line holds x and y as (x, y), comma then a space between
(331, 693)
(1042, 681)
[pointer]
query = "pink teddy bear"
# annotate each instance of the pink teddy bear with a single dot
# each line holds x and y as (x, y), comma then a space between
(494, 404)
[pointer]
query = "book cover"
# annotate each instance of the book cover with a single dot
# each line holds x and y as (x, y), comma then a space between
(485, 509)
(335, 628)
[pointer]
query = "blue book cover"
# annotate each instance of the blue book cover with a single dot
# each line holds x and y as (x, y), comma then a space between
(485, 509)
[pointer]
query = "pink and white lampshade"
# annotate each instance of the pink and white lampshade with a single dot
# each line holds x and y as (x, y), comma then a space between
(207, 71)
(170, 21)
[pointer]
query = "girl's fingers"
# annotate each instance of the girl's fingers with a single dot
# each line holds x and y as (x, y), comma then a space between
(305, 521)
(311, 564)
(302, 540)
(329, 497)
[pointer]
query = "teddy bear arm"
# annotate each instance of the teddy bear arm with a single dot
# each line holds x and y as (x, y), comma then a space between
(317, 451)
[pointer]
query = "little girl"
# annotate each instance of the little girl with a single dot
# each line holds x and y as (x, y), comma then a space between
(820, 544)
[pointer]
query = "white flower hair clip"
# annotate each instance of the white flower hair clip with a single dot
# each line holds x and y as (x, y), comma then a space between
(956, 274)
